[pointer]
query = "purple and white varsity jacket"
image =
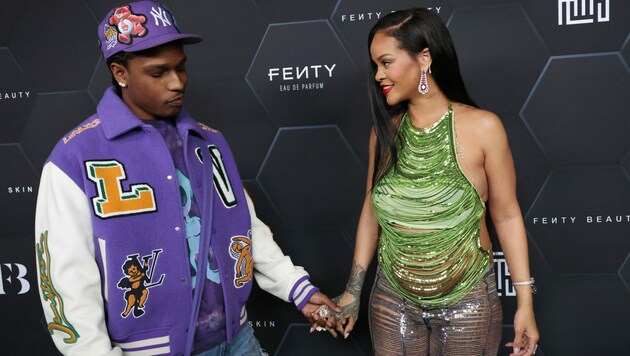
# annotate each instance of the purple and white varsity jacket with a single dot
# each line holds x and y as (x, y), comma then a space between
(113, 266)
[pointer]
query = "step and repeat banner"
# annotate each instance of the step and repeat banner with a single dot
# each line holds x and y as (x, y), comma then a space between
(286, 83)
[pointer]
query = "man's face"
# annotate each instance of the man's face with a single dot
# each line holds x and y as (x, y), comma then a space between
(156, 84)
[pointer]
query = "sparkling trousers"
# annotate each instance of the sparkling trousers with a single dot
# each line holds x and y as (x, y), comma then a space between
(472, 326)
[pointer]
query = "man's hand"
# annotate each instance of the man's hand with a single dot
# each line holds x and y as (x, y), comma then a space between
(318, 312)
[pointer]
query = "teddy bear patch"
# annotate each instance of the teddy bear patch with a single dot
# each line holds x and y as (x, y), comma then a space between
(129, 25)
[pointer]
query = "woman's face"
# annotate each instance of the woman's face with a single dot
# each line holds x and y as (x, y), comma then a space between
(397, 72)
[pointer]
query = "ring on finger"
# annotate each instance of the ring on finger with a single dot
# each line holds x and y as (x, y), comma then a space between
(323, 312)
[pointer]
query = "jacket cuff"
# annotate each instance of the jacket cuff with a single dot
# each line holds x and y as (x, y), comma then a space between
(302, 292)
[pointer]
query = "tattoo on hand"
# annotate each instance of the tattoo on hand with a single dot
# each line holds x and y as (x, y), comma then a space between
(355, 282)
(353, 288)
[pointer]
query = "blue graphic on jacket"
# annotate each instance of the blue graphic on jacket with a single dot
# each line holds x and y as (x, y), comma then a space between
(193, 231)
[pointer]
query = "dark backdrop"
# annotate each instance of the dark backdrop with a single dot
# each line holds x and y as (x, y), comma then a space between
(555, 71)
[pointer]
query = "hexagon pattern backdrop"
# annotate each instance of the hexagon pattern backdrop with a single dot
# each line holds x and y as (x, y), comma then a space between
(285, 81)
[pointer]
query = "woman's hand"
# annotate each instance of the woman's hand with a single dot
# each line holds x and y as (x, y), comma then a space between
(349, 305)
(526, 334)
(349, 301)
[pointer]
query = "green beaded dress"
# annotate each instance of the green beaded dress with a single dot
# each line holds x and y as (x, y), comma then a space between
(430, 217)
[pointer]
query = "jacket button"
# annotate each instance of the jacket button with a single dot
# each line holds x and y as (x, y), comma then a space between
(169, 177)
(176, 228)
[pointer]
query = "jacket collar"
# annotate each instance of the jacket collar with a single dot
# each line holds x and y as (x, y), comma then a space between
(117, 118)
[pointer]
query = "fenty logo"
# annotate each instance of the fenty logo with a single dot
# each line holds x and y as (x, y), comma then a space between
(220, 176)
(160, 14)
(576, 12)
(504, 282)
(296, 73)
(25, 286)
(50, 295)
(137, 282)
(241, 251)
(111, 200)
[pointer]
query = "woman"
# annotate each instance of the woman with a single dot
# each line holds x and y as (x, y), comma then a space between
(435, 161)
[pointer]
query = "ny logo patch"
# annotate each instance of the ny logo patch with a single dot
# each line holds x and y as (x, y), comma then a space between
(159, 14)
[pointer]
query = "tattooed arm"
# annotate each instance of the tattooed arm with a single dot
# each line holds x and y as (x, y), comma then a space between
(350, 300)
(365, 246)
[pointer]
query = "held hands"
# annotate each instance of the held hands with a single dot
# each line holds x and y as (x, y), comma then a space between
(325, 314)
(349, 314)
(526, 334)
(317, 312)
(349, 301)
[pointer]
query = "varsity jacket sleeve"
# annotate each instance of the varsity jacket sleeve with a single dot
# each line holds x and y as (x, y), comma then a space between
(273, 270)
(68, 276)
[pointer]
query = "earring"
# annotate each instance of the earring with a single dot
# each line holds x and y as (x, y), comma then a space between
(122, 85)
(423, 87)
(430, 70)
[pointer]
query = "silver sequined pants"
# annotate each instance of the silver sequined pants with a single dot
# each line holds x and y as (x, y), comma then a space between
(470, 327)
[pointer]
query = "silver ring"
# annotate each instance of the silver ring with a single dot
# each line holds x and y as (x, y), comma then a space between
(323, 312)
(319, 328)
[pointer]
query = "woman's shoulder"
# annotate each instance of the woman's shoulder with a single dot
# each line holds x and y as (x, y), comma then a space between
(475, 119)
(475, 115)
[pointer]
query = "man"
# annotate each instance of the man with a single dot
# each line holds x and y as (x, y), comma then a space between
(146, 240)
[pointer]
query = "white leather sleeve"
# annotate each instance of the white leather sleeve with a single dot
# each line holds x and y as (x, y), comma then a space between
(68, 276)
(273, 270)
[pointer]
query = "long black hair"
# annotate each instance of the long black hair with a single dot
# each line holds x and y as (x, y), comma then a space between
(415, 30)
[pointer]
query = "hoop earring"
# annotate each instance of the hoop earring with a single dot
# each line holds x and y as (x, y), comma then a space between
(423, 87)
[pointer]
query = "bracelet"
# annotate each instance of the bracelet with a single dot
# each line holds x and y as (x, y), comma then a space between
(527, 283)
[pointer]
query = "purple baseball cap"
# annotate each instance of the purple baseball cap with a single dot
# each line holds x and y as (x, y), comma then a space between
(138, 26)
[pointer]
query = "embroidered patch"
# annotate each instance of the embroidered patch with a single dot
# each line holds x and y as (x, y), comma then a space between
(137, 281)
(80, 129)
(207, 128)
(111, 36)
(220, 175)
(50, 295)
(112, 200)
(128, 24)
(241, 252)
